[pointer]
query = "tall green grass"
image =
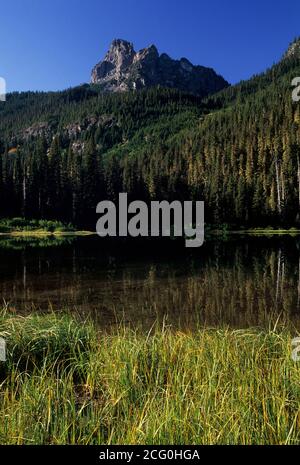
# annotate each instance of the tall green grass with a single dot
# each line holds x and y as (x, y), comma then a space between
(66, 383)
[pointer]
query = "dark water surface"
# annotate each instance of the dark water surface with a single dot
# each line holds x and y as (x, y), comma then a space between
(240, 282)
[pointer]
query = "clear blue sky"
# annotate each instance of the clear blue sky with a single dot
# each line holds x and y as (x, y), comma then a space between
(53, 44)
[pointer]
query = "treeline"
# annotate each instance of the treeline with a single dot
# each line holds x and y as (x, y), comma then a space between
(63, 173)
(238, 150)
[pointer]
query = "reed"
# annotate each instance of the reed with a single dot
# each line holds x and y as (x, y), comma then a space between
(66, 382)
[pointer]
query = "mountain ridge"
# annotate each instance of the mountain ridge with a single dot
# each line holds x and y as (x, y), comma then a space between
(238, 150)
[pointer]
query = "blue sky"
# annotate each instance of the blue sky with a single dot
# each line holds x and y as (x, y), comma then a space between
(50, 45)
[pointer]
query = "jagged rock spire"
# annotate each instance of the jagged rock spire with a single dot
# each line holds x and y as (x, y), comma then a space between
(123, 69)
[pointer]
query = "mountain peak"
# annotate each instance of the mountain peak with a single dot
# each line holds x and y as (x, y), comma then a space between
(121, 42)
(123, 69)
(121, 46)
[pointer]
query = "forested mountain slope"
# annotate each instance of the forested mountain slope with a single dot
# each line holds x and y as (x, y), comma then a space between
(62, 152)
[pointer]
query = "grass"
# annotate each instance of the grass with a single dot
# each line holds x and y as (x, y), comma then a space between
(269, 231)
(65, 382)
(27, 228)
(227, 230)
(17, 225)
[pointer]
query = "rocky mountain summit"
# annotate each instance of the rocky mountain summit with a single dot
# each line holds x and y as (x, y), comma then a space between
(124, 69)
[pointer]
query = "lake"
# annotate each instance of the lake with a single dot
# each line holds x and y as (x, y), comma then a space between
(240, 281)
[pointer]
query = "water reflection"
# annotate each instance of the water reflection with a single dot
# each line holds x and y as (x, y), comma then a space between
(239, 282)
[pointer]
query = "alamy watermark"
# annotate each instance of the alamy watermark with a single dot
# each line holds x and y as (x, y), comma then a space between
(2, 350)
(296, 91)
(2, 90)
(296, 349)
(175, 219)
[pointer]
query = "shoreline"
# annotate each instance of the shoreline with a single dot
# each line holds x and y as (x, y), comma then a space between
(214, 232)
(46, 233)
(256, 231)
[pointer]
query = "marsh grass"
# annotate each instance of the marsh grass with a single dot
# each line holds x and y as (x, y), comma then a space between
(66, 383)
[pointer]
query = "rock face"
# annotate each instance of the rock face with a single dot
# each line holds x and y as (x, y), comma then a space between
(123, 69)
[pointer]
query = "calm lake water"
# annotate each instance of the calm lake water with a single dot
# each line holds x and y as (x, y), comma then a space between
(240, 282)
